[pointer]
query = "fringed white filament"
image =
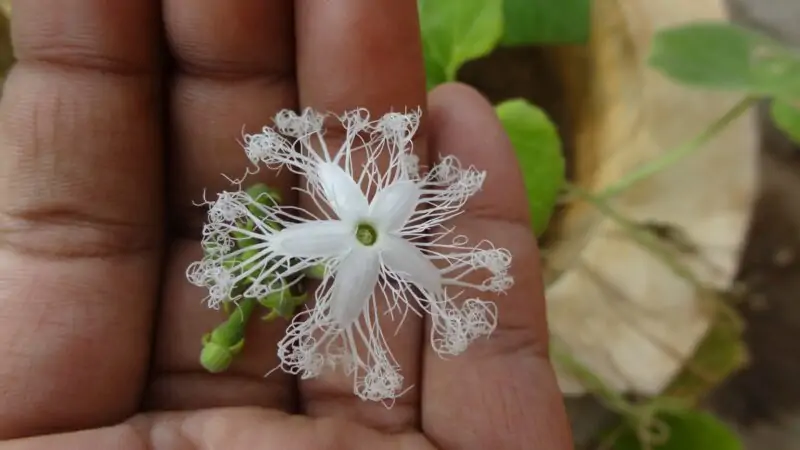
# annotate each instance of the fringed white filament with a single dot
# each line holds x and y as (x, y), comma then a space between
(416, 263)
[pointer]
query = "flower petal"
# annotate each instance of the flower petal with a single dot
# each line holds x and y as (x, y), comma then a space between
(314, 239)
(342, 192)
(406, 261)
(393, 206)
(356, 277)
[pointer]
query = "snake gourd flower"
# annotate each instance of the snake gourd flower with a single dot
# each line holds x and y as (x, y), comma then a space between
(377, 234)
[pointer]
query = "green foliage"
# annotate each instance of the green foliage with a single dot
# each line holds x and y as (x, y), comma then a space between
(457, 31)
(719, 55)
(786, 116)
(721, 353)
(538, 148)
(546, 21)
(689, 430)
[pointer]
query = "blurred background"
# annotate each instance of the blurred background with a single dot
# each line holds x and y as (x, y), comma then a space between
(673, 303)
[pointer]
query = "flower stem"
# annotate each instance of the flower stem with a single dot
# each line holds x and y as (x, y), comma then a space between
(226, 341)
(677, 153)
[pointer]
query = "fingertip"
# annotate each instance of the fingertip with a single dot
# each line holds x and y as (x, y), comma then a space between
(463, 123)
(460, 98)
(458, 90)
(359, 53)
(110, 37)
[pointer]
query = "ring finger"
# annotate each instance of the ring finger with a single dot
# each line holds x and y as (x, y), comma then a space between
(234, 67)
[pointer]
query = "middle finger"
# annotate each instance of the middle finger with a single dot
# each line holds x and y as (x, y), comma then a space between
(363, 54)
(234, 68)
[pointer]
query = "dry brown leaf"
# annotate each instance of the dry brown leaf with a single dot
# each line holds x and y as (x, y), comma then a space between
(621, 312)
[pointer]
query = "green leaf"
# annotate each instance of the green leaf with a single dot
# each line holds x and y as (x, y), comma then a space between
(546, 21)
(721, 352)
(538, 148)
(719, 55)
(786, 116)
(457, 31)
(689, 430)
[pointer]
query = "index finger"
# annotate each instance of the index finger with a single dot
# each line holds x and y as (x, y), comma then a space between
(501, 392)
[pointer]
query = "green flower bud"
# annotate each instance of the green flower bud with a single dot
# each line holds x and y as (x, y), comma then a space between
(316, 272)
(216, 358)
(230, 263)
(264, 195)
(210, 249)
(227, 340)
(281, 304)
(243, 240)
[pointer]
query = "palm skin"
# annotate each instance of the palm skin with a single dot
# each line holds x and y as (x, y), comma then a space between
(110, 132)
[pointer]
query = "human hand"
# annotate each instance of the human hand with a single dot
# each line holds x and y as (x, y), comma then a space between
(105, 147)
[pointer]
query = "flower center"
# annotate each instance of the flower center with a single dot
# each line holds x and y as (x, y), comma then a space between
(366, 234)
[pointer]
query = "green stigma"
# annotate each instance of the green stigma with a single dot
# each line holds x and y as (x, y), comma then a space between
(366, 234)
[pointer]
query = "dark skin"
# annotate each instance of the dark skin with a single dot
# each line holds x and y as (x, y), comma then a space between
(100, 330)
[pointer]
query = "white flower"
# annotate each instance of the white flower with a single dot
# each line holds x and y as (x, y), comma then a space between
(398, 245)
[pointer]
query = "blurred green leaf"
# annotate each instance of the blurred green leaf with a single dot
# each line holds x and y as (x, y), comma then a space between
(720, 55)
(538, 148)
(457, 31)
(689, 430)
(786, 116)
(546, 21)
(721, 352)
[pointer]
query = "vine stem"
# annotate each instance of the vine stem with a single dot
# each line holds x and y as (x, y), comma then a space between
(675, 154)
